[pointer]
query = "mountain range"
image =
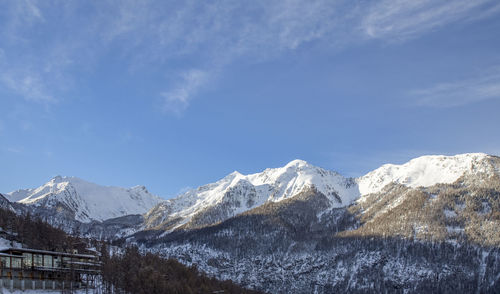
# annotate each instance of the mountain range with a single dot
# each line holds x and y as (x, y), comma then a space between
(86, 201)
(300, 227)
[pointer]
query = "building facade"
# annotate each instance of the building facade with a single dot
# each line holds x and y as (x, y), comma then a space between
(23, 268)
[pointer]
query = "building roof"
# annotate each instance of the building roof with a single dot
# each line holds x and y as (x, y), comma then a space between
(47, 252)
(10, 255)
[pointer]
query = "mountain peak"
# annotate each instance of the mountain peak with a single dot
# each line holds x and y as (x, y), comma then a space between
(64, 179)
(237, 193)
(235, 173)
(457, 157)
(297, 163)
(58, 180)
(423, 171)
(88, 201)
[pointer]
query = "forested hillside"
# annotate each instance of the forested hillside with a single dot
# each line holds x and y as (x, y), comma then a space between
(127, 271)
(295, 246)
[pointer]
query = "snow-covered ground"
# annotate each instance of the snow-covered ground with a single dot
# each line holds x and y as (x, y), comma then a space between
(449, 213)
(5, 244)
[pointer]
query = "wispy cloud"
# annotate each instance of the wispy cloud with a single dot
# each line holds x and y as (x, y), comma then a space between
(14, 150)
(177, 100)
(463, 92)
(29, 85)
(21, 15)
(32, 64)
(403, 19)
(180, 38)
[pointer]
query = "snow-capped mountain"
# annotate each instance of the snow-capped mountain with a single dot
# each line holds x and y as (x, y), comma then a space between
(419, 226)
(426, 171)
(429, 225)
(86, 201)
(237, 193)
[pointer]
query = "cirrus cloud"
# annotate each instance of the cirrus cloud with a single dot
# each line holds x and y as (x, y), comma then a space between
(482, 87)
(48, 44)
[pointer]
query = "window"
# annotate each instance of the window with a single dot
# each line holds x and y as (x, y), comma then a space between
(57, 261)
(27, 259)
(38, 260)
(47, 260)
(5, 262)
(16, 262)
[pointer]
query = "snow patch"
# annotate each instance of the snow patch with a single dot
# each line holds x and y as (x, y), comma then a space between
(485, 208)
(449, 213)
(4, 244)
(454, 229)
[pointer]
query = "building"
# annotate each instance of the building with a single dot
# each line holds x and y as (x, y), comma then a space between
(23, 268)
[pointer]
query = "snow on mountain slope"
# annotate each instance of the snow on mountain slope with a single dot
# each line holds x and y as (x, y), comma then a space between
(425, 171)
(292, 178)
(5, 203)
(238, 193)
(20, 194)
(88, 201)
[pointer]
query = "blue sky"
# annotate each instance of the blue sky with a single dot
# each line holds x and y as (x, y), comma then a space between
(176, 94)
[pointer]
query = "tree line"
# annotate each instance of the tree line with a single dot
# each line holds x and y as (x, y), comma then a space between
(133, 272)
